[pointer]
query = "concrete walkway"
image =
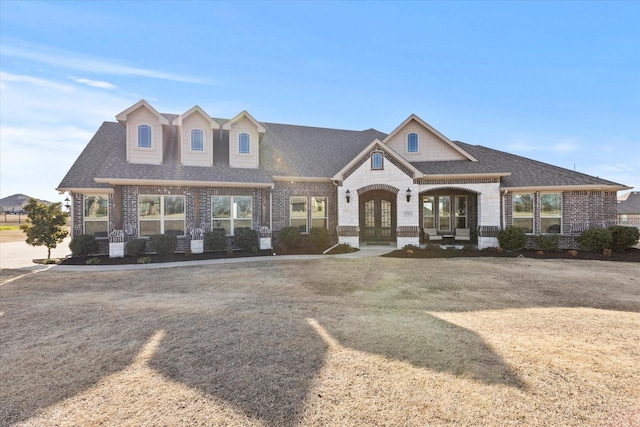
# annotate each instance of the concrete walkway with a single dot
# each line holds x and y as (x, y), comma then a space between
(19, 255)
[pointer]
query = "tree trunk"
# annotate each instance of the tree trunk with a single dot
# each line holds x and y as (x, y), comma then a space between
(48, 252)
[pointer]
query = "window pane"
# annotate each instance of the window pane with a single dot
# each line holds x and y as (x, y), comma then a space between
(222, 223)
(428, 222)
(147, 228)
(149, 207)
(243, 207)
(523, 205)
(318, 223)
(444, 212)
(96, 228)
(412, 142)
(173, 207)
(461, 211)
(241, 223)
(221, 207)
(550, 225)
(298, 213)
(551, 205)
(376, 161)
(318, 207)
(144, 136)
(95, 207)
(174, 227)
(526, 223)
(243, 143)
(196, 140)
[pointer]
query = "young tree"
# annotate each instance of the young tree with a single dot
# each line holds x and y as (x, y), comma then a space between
(45, 225)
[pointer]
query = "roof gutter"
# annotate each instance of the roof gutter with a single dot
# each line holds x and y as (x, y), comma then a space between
(602, 187)
(179, 183)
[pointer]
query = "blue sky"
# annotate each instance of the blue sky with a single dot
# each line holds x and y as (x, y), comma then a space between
(557, 82)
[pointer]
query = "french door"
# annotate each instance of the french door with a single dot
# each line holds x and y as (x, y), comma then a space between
(378, 216)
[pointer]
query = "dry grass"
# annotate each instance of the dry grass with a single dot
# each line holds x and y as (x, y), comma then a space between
(333, 342)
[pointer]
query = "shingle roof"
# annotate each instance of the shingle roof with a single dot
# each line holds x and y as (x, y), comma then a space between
(296, 151)
(524, 172)
(288, 150)
(631, 205)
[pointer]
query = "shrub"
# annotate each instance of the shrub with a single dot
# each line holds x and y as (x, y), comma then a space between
(512, 238)
(164, 244)
(215, 240)
(623, 237)
(246, 238)
(548, 242)
(93, 261)
(320, 238)
(144, 260)
(595, 239)
(290, 237)
(84, 245)
(135, 247)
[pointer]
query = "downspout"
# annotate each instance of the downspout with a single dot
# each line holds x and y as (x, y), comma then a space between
(504, 215)
(271, 209)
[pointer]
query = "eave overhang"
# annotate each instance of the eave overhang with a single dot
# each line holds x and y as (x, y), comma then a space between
(556, 188)
(182, 183)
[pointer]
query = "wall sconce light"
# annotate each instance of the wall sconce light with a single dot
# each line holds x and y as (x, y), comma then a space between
(408, 194)
(66, 204)
(348, 194)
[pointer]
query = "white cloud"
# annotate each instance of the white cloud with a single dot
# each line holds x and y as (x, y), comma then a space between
(8, 77)
(93, 83)
(76, 61)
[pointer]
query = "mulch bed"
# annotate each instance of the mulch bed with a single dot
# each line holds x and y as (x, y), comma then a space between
(178, 257)
(629, 255)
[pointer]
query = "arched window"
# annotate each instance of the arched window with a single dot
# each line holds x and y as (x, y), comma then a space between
(377, 161)
(412, 143)
(144, 136)
(244, 143)
(197, 140)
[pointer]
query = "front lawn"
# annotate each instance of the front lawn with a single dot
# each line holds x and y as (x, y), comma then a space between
(349, 342)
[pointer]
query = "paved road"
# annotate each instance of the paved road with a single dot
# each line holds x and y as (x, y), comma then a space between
(20, 255)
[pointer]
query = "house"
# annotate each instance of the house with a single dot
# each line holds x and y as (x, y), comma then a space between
(151, 172)
(629, 209)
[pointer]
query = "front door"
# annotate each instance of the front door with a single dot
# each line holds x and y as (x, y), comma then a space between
(378, 216)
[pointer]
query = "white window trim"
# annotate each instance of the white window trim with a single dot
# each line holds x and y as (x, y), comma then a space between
(377, 153)
(561, 212)
(162, 219)
(326, 211)
(232, 219)
(417, 143)
(533, 211)
(150, 137)
(306, 212)
(248, 141)
(191, 140)
(86, 219)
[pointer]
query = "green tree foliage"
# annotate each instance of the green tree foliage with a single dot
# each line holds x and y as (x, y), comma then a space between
(45, 225)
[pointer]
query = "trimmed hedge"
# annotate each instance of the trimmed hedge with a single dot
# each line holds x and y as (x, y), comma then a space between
(290, 237)
(623, 237)
(84, 245)
(512, 238)
(164, 244)
(246, 238)
(135, 247)
(548, 242)
(215, 240)
(320, 238)
(595, 239)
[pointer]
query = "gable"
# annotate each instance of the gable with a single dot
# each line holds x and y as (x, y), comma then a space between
(363, 160)
(431, 144)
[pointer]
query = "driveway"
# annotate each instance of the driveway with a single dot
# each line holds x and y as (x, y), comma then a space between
(20, 255)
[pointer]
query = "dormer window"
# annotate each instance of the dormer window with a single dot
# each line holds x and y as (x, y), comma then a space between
(377, 161)
(412, 143)
(244, 143)
(144, 136)
(197, 143)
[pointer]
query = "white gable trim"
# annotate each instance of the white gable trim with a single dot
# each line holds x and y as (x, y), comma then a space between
(432, 130)
(244, 114)
(122, 117)
(193, 110)
(382, 147)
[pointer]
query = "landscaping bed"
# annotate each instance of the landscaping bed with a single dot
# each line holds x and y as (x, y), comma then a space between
(154, 258)
(629, 255)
